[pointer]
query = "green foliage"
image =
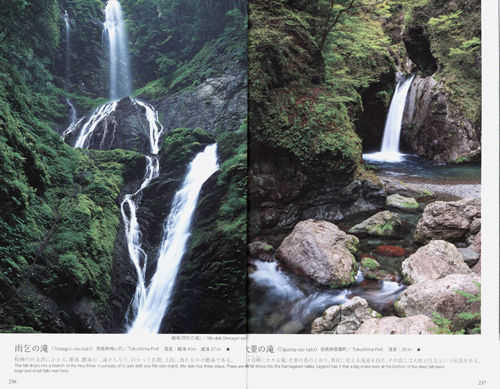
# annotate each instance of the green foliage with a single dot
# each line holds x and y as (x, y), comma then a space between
(370, 263)
(454, 29)
(166, 35)
(181, 144)
(472, 315)
(445, 325)
(232, 215)
(307, 63)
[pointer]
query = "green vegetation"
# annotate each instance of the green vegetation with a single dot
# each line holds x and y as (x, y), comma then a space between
(173, 43)
(445, 326)
(307, 64)
(181, 144)
(454, 30)
(370, 263)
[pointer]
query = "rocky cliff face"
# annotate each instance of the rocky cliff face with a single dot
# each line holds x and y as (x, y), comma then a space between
(281, 195)
(432, 130)
(218, 105)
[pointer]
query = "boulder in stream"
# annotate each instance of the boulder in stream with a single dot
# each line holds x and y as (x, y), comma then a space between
(450, 221)
(441, 296)
(398, 201)
(433, 261)
(382, 224)
(394, 186)
(319, 250)
(345, 318)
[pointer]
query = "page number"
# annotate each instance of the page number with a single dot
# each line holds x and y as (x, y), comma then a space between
(482, 382)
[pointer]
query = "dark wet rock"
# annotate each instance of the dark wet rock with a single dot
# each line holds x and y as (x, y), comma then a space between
(371, 269)
(434, 261)
(432, 130)
(440, 296)
(418, 47)
(281, 195)
(319, 250)
(392, 325)
(476, 243)
(381, 224)
(126, 128)
(470, 257)
(260, 250)
(345, 318)
(218, 103)
(450, 221)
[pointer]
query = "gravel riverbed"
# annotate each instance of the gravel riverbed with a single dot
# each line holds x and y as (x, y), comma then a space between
(463, 191)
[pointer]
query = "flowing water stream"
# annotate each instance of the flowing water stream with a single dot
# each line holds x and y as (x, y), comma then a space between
(115, 35)
(149, 306)
(280, 301)
(150, 302)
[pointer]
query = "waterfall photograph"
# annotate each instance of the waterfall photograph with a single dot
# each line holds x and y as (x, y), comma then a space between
(123, 154)
(364, 167)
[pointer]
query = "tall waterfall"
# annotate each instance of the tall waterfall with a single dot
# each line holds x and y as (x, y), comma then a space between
(392, 130)
(115, 35)
(72, 110)
(149, 303)
(152, 307)
(67, 21)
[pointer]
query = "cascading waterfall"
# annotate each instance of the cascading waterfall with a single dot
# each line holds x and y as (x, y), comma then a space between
(392, 130)
(115, 35)
(72, 111)
(74, 123)
(138, 256)
(88, 128)
(149, 304)
(67, 21)
(152, 307)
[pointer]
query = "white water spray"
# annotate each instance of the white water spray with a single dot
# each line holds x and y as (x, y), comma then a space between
(392, 131)
(176, 232)
(138, 256)
(68, 22)
(115, 35)
(88, 128)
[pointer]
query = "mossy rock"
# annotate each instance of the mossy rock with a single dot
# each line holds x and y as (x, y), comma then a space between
(181, 144)
(381, 224)
(370, 263)
(401, 202)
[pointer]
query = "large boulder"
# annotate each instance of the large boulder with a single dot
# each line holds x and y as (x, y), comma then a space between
(381, 224)
(394, 186)
(126, 127)
(392, 325)
(345, 318)
(401, 202)
(450, 221)
(441, 296)
(433, 261)
(320, 251)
